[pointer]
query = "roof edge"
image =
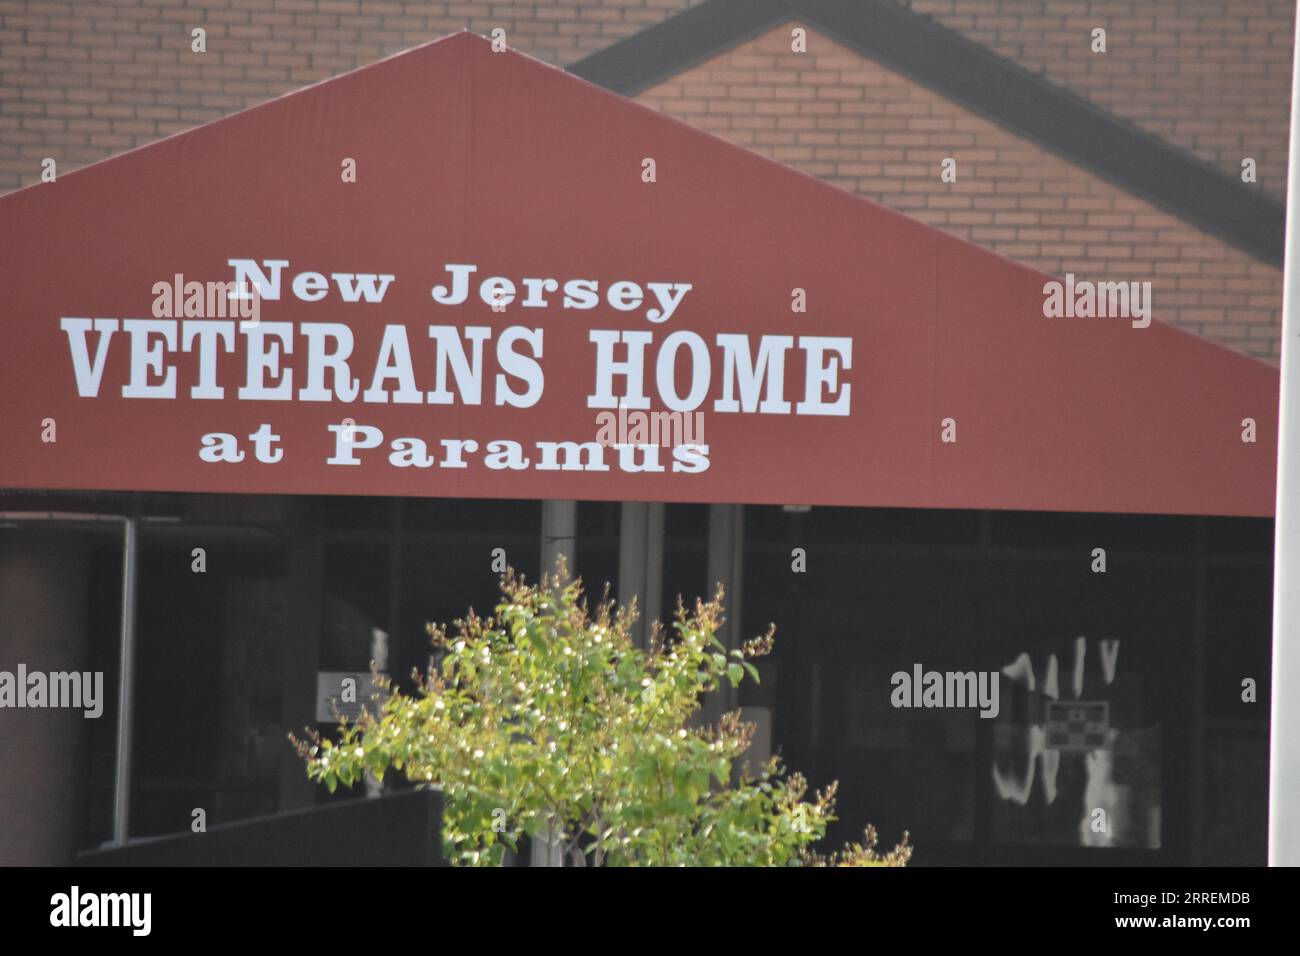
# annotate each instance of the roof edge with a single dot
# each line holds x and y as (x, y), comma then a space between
(972, 75)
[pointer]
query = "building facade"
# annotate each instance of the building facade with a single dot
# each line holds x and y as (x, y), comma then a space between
(1081, 441)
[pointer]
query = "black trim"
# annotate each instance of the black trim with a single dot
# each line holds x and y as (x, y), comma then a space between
(690, 37)
(397, 829)
(972, 75)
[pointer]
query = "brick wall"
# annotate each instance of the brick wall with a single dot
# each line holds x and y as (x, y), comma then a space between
(80, 81)
(836, 115)
(1211, 76)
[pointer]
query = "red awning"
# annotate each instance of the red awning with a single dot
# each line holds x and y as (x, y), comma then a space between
(352, 382)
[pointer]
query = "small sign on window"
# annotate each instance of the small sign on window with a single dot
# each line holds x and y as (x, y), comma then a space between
(1078, 725)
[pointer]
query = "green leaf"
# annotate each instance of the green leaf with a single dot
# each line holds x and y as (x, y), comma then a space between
(542, 715)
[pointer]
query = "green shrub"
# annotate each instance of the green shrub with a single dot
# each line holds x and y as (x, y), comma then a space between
(547, 720)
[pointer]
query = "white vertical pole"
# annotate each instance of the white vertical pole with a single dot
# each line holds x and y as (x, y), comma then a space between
(1284, 724)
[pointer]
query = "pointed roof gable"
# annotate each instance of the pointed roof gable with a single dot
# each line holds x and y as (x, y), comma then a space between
(466, 156)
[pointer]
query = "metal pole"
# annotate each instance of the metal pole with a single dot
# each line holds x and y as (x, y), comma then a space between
(654, 567)
(726, 567)
(641, 563)
(632, 562)
(559, 521)
(559, 529)
(1284, 722)
(125, 685)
